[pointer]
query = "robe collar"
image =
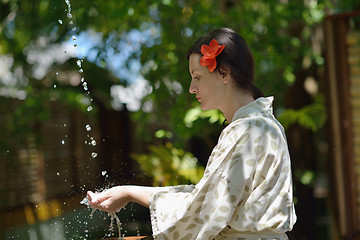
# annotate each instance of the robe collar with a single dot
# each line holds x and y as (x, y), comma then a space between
(260, 105)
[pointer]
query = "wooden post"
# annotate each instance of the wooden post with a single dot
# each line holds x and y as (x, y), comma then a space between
(342, 136)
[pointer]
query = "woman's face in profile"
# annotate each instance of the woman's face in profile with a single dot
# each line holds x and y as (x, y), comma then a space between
(208, 86)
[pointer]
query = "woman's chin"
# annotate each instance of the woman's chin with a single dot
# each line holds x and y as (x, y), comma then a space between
(206, 108)
(203, 107)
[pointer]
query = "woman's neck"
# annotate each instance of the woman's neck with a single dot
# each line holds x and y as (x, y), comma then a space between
(235, 99)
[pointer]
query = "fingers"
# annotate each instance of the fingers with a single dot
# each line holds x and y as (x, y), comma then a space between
(101, 201)
(97, 198)
(108, 206)
(111, 200)
(91, 197)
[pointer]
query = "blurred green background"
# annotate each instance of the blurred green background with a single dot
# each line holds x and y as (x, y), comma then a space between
(95, 93)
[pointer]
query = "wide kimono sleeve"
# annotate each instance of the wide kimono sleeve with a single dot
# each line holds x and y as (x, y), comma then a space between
(205, 211)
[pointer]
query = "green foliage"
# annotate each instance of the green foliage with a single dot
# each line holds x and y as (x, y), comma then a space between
(312, 117)
(306, 177)
(347, 5)
(213, 116)
(280, 34)
(170, 166)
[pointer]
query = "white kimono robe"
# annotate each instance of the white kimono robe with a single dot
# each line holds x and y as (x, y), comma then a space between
(246, 190)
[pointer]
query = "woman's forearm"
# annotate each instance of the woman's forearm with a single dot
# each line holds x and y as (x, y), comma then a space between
(140, 194)
(115, 198)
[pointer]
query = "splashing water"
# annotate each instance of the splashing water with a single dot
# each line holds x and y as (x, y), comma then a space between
(113, 218)
(79, 63)
(115, 224)
(85, 86)
(93, 154)
(69, 8)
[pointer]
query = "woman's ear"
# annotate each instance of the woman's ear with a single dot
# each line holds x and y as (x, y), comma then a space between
(224, 73)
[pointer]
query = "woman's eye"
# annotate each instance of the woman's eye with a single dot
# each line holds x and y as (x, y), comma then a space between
(197, 78)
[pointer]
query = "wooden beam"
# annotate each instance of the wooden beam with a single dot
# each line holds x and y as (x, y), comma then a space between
(339, 83)
(334, 117)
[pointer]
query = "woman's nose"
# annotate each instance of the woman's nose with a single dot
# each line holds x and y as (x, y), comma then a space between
(193, 88)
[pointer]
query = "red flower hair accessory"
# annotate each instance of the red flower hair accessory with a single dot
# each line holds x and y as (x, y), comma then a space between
(210, 52)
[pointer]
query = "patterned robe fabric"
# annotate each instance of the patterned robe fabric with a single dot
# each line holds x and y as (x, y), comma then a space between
(246, 190)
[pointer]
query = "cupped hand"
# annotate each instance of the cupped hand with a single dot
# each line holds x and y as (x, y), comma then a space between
(110, 200)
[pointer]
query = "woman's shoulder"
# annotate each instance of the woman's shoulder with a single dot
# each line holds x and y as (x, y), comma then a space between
(253, 123)
(248, 121)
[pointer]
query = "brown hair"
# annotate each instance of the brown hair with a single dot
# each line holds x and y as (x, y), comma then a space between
(236, 56)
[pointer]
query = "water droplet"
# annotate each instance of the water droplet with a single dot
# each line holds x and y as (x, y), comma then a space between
(60, 21)
(54, 85)
(64, 124)
(82, 79)
(58, 173)
(88, 128)
(93, 142)
(74, 28)
(85, 86)
(71, 22)
(73, 38)
(81, 71)
(62, 142)
(75, 45)
(89, 108)
(94, 155)
(57, 73)
(103, 173)
(78, 62)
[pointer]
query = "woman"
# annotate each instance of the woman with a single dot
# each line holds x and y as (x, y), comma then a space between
(246, 190)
